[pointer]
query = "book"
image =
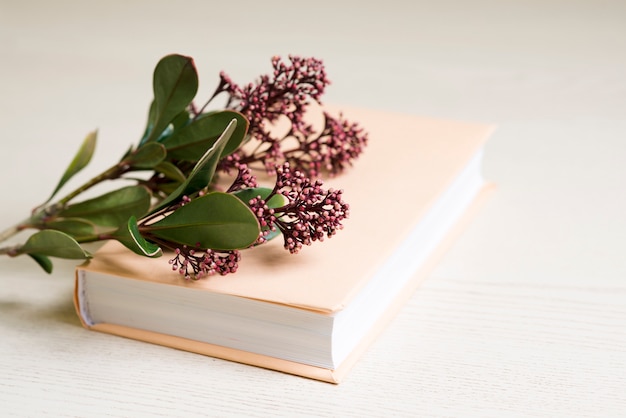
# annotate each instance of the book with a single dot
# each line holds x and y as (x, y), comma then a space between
(314, 313)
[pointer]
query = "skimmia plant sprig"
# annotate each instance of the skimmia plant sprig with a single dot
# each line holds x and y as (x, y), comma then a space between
(193, 191)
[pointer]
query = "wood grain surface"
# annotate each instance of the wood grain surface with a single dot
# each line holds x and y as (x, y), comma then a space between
(525, 316)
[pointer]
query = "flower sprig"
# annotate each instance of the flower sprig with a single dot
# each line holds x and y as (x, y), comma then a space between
(287, 93)
(309, 214)
(178, 204)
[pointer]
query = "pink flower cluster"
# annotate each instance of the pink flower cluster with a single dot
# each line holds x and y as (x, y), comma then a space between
(244, 178)
(195, 264)
(285, 93)
(311, 213)
(333, 149)
(288, 92)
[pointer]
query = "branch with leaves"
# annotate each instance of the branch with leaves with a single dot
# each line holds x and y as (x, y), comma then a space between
(186, 154)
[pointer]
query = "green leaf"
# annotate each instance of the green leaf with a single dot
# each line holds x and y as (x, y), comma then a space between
(54, 244)
(129, 236)
(113, 208)
(146, 156)
(43, 261)
(181, 120)
(150, 123)
(202, 173)
(80, 161)
(175, 84)
(170, 171)
(77, 228)
(217, 220)
(190, 142)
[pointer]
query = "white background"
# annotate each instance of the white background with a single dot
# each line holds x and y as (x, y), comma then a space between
(525, 316)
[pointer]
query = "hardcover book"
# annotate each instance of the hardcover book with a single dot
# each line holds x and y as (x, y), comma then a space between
(313, 313)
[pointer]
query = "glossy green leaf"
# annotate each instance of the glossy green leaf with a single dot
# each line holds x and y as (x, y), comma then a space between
(129, 236)
(150, 123)
(181, 120)
(77, 228)
(146, 156)
(53, 244)
(170, 171)
(43, 261)
(80, 160)
(217, 220)
(190, 142)
(203, 171)
(113, 208)
(175, 84)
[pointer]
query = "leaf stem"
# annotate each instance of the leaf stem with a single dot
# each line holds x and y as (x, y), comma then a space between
(10, 250)
(15, 229)
(112, 173)
(9, 232)
(36, 220)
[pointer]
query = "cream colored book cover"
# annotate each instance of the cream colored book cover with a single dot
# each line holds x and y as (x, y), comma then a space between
(409, 163)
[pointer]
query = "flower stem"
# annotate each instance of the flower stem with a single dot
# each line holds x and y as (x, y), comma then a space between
(36, 220)
(109, 174)
(11, 250)
(13, 230)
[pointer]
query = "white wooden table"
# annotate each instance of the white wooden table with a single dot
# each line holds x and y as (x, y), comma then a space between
(526, 316)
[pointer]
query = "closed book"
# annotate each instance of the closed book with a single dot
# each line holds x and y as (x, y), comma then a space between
(311, 314)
